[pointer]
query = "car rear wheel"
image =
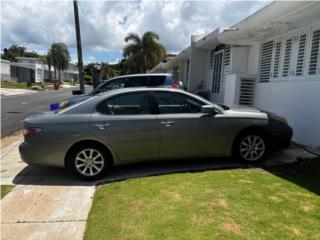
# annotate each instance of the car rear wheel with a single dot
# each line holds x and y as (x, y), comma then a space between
(251, 147)
(88, 162)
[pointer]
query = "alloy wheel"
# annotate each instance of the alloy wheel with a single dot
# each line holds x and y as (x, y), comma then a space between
(252, 148)
(89, 162)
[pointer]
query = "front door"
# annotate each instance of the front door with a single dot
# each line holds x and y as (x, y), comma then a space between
(185, 131)
(125, 124)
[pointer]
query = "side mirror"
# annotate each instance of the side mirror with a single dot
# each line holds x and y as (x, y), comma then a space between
(208, 109)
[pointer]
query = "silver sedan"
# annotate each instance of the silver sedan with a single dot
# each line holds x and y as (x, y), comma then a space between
(148, 124)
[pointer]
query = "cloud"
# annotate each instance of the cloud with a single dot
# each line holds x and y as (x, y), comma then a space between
(104, 24)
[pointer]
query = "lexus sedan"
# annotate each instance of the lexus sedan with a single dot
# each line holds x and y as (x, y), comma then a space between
(147, 124)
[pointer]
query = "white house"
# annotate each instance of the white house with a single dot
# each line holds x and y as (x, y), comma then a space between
(32, 70)
(270, 60)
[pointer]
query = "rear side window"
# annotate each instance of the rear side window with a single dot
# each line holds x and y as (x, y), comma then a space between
(126, 104)
(156, 81)
(138, 81)
(176, 103)
(113, 84)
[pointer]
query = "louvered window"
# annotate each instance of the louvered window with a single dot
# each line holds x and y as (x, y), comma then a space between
(314, 54)
(276, 63)
(287, 58)
(247, 87)
(187, 73)
(210, 68)
(301, 55)
(265, 61)
(217, 72)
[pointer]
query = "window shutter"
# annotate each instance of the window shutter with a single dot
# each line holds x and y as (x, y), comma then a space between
(314, 54)
(265, 61)
(210, 68)
(187, 73)
(287, 58)
(247, 88)
(301, 55)
(276, 63)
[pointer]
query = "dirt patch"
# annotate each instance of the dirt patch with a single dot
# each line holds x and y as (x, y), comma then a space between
(201, 220)
(175, 195)
(223, 203)
(136, 206)
(245, 181)
(6, 141)
(235, 228)
(275, 199)
(294, 230)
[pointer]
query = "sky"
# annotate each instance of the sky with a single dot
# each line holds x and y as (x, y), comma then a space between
(36, 24)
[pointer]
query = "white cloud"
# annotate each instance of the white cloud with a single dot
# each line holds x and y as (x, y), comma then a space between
(39, 23)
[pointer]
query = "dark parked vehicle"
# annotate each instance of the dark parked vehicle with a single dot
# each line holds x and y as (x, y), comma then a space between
(148, 124)
(127, 81)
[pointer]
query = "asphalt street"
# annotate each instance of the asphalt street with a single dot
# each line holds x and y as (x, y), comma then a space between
(14, 109)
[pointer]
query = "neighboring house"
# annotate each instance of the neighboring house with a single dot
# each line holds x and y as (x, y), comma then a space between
(270, 60)
(32, 70)
(5, 70)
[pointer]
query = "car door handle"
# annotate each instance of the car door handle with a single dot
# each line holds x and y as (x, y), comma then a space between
(102, 126)
(167, 123)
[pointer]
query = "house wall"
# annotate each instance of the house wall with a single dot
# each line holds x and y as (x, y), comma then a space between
(5, 70)
(296, 97)
(299, 102)
(198, 66)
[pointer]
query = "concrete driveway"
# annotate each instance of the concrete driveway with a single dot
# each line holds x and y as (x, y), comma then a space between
(51, 203)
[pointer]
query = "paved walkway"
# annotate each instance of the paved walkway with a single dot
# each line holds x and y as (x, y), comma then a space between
(42, 205)
(14, 91)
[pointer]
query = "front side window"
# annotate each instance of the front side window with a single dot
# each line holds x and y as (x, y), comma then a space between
(177, 103)
(156, 81)
(113, 84)
(126, 104)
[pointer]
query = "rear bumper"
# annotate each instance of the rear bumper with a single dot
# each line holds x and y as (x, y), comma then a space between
(42, 154)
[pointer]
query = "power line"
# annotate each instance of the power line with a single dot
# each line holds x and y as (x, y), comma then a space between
(88, 24)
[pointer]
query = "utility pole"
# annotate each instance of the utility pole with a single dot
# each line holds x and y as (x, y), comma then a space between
(80, 63)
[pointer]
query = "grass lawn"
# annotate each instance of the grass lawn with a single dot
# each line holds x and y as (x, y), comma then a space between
(5, 189)
(278, 203)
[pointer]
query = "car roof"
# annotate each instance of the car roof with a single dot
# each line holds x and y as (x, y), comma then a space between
(138, 75)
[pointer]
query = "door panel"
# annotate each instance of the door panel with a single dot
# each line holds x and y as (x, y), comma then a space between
(192, 135)
(131, 137)
(125, 123)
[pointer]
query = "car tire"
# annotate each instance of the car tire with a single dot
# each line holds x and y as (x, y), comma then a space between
(88, 162)
(251, 147)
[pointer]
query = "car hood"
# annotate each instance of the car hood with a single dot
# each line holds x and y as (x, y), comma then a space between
(244, 112)
(80, 98)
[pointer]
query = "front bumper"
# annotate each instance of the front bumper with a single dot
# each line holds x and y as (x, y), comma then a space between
(281, 139)
(42, 154)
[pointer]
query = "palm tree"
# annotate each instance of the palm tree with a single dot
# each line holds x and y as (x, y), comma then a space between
(143, 53)
(49, 61)
(58, 56)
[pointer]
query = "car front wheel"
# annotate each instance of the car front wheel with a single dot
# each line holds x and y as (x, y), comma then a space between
(251, 147)
(88, 162)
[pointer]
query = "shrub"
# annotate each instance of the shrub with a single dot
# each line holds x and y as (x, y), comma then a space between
(88, 79)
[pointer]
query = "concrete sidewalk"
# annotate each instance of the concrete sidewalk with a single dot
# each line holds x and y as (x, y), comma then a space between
(15, 91)
(48, 207)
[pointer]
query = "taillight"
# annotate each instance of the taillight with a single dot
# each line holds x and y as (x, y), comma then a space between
(28, 132)
(175, 85)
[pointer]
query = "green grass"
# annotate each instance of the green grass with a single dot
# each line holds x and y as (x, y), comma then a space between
(13, 84)
(282, 203)
(5, 189)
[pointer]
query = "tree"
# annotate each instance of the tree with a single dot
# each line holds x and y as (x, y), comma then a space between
(14, 51)
(143, 53)
(59, 54)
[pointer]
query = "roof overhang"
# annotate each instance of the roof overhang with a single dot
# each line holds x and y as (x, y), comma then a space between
(23, 65)
(275, 19)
